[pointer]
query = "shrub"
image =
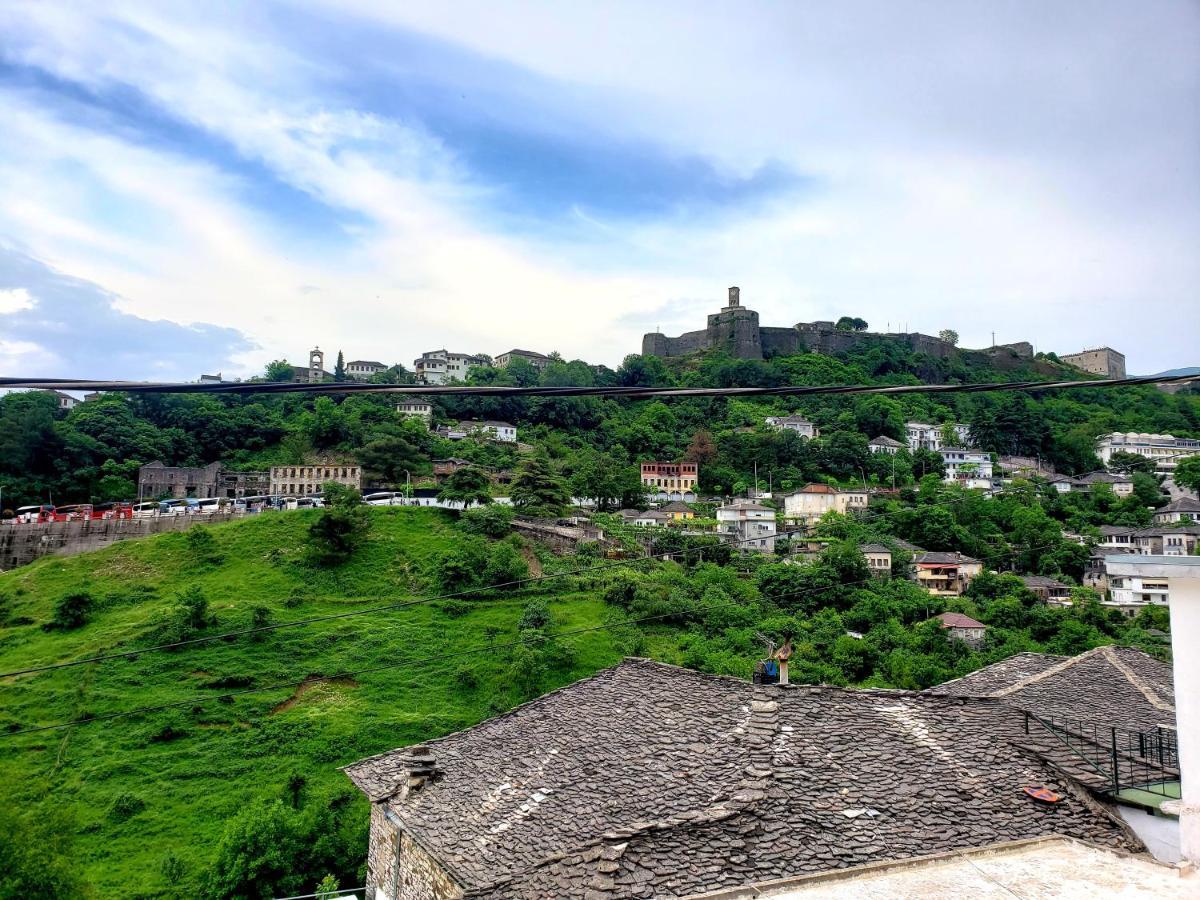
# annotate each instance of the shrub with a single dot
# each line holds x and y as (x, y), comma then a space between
(202, 546)
(260, 854)
(455, 609)
(504, 566)
(125, 806)
(535, 616)
(488, 521)
(72, 610)
(341, 529)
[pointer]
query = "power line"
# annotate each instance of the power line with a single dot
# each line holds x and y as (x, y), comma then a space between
(629, 393)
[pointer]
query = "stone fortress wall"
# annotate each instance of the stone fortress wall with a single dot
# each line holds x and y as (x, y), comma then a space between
(736, 330)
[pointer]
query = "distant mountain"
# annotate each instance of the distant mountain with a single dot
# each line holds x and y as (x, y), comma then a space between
(1187, 370)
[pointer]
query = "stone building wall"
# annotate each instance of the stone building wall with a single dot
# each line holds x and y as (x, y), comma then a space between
(400, 869)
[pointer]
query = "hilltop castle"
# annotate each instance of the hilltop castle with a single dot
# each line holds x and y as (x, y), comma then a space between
(736, 330)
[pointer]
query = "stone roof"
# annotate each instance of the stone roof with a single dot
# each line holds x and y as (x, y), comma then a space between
(884, 441)
(874, 548)
(940, 558)
(676, 506)
(648, 780)
(1109, 686)
(958, 620)
(1110, 530)
(1182, 505)
(1043, 581)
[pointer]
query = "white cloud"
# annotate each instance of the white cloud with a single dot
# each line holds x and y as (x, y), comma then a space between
(15, 300)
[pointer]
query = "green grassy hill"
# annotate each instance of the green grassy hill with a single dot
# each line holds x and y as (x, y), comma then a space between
(160, 786)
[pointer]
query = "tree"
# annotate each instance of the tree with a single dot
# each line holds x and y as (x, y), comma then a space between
(339, 368)
(949, 335)
(1187, 473)
(36, 859)
(341, 528)
(259, 854)
(72, 610)
(701, 450)
(504, 565)
(467, 485)
(1128, 463)
(279, 370)
(391, 457)
(846, 323)
(537, 489)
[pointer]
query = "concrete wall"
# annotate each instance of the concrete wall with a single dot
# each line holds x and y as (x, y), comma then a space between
(22, 544)
(399, 869)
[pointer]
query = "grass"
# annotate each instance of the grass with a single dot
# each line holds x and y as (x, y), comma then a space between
(195, 766)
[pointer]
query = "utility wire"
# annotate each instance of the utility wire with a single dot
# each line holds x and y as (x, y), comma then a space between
(133, 653)
(629, 393)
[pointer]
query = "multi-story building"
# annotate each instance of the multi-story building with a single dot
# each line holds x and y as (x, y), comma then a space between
(798, 424)
(812, 501)
(1165, 449)
(930, 437)
(491, 431)
(363, 369)
(945, 574)
(966, 465)
(537, 360)
(65, 401)
(750, 525)
(235, 485)
(671, 478)
(157, 480)
(878, 558)
(1104, 361)
(418, 408)
(442, 366)
(303, 480)
(1133, 593)
(1050, 591)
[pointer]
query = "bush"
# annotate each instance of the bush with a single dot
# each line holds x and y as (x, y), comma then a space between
(488, 521)
(455, 609)
(187, 615)
(125, 806)
(260, 854)
(72, 610)
(341, 529)
(35, 859)
(504, 566)
(202, 546)
(535, 616)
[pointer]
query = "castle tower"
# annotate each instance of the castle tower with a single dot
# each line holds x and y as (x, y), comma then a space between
(316, 364)
(735, 297)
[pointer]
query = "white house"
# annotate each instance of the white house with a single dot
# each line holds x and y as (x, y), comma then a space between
(494, 431)
(966, 465)
(1177, 510)
(884, 444)
(417, 408)
(1132, 593)
(812, 501)
(1166, 450)
(798, 424)
(929, 437)
(65, 401)
(363, 369)
(750, 524)
(652, 518)
(442, 366)
(537, 360)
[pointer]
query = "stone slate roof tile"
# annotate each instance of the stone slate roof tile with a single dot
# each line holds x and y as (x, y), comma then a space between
(647, 780)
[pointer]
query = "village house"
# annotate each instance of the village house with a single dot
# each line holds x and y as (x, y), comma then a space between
(677, 511)
(813, 501)
(884, 444)
(1095, 573)
(670, 477)
(651, 518)
(305, 480)
(1132, 593)
(363, 369)
(158, 481)
(647, 780)
(1120, 485)
(922, 436)
(419, 408)
(537, 360)
(444, 366)
(748, 524)
(878, 558)
(1185, 508)
(1050, 591)
(505, 432)
(945, 574)
(1118, 537)
(961, 627)
(973, 468)
(64, 401)
(798, 424)
(1166, 450)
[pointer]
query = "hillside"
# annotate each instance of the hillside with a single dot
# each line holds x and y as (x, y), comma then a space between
(141, 792)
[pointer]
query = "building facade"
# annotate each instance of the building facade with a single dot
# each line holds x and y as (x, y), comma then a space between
(505, 432)
(1185, 508)
(963, 628)
(922, 436)
(884, 444)
(418, 408)
(159, 481)
(1104, 361)
(966, 465)
(314, 372)
(750, 525)
(945, 574)
(363, 369)
(305, 480)
(671, 478)
(443, 366)
(812, 501)
(798, 424)
(1165, 449)
(537, 360)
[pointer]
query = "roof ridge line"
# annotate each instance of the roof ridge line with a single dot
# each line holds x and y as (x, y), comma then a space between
(1136, 680)
(1045, 673)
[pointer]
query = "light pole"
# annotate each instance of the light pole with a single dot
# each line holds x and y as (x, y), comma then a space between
(408, 485)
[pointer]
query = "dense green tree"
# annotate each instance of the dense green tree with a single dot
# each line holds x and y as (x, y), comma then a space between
(537, 488)
(391, 458)
(1187, 473)
(467, 485)
(279, 370)
(339, 368)
(341, 528)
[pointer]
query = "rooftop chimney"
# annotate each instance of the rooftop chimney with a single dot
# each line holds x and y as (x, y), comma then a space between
(419, 767)
(735, 296)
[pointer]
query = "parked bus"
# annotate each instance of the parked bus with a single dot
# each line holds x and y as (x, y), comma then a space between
(147, 510)
(42, 513)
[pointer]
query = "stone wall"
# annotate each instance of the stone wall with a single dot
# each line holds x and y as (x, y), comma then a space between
(22, 544)
(398, 868)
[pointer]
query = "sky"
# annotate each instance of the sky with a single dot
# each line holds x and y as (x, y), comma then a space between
(194, 188)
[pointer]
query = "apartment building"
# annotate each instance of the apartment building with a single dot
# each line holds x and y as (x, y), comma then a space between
(945, 574)
(1166, 450)
(443, 366)
(922, 436)
(304, 480)
(813, 501)
(669, 477)
(751, 525)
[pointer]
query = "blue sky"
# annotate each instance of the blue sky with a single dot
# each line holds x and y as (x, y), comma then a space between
(214, 186)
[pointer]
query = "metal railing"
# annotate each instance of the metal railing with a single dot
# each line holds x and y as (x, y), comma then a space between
(1120, 759)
